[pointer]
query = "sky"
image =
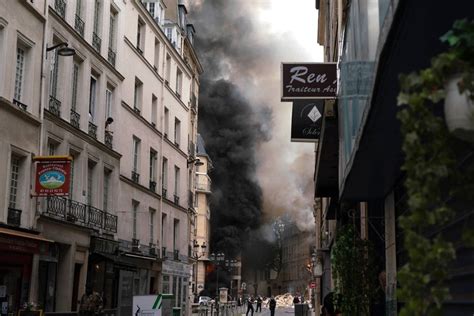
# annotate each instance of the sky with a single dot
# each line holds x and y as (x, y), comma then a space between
(244, 43)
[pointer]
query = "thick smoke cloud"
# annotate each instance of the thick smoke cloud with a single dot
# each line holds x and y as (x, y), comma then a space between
(258, 173)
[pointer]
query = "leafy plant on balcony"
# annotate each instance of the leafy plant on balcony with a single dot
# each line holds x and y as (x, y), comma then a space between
(433, 174)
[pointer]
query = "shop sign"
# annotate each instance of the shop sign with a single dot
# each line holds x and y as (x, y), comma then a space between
(19, 244)
(308, 81)
(306, 120)
(53, 177)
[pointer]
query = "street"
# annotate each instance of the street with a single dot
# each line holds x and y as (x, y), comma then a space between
(279, 312)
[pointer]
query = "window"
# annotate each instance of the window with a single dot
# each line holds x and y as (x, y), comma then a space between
(92, 98)
(152, 224)
(20, 73)
(96, 17)
(140, 36)
(14, 180)
(137, 95)
(107, 174)
(179, 82)
(164, 171)
(108, 102)
(78, 8)
(163, 225)
(176, 180)
(177, 131)
(167, 121)
(168, 69)
(156, 59)
(74, 156)
(136, 154)
(175, 234)
(112, 29)
(154, 109)
(52, 146)
(134, 219)
(53, 81)
(90, 182)
(151, 8)
(153, 158)
(169, 33)
(75, 76)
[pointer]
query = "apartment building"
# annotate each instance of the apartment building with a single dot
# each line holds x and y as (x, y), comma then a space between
(21, 52)
(358, 172)
(101, 82)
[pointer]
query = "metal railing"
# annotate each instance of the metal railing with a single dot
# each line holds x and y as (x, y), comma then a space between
(79, 25)
(164, 191)
(111, 56)
(108, 139)
(92, 130)
(176, 255)
(14, 217)
(54, 106)
(60, 7)
(152, 186)
(75, 119)
(22, 106)
(218, 309)
(96, 42)
(176, 199)
(80, 214)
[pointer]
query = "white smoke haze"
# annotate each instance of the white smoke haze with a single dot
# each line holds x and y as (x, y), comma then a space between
(250, 40)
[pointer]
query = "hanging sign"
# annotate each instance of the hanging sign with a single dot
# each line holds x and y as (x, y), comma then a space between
(308, 81)
(306, 120)
(53, 175)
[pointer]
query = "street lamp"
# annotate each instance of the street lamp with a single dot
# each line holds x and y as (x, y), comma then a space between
(63, 49)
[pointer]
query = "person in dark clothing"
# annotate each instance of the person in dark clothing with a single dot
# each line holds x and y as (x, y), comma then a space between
(259, 304)
(249, 306)
(272, 305)
(296, 300)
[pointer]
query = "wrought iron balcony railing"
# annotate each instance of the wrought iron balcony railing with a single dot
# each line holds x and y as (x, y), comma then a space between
(96, 42)
(78, 213)
(164, 191)
(152, 186)
(135, 177)
(14, 217)
(92, 130)
(176, 255)
(176, 199)
(152, 249)
(22, 106)
(111, 56)
(75, 119)
(135, 245)
(79, 25)
(60, 7)
(108, 139)
(54, 106)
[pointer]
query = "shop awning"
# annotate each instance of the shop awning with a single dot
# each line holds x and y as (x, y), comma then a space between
(16, 233)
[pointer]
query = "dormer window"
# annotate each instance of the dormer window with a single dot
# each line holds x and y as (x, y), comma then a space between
(182, 15)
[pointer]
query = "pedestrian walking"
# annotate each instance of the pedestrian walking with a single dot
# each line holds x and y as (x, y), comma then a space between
(272, 305)
(91, 303)
(249, 306)
(259, 304)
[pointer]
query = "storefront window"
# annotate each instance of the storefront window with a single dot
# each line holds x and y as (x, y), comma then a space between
(166, 284)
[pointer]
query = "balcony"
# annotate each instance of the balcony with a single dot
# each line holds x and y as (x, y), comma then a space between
(96, 42)
(152, 249)
(164, 191)
(77, 213)
(92, 130)
(135, 177)
(108, 139)
(22, 106)
(176, 255)
(111, 57)
(14, 217)
(176, 199)
(60, 7)
(152, 186)
(54, 106)
(75, 119)
(135, 245)
(79, 25)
